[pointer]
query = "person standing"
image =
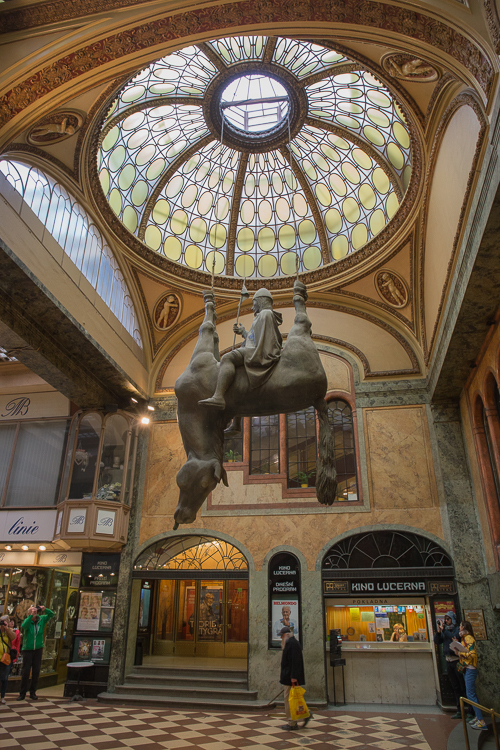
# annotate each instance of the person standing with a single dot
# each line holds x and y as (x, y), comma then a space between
(447, 631)
(468, 659)
(33, 629)
(7, 636)
(292, 672)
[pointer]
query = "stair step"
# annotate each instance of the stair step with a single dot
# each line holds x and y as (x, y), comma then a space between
(186, 681)
(199, 692)
(192, 703)
(192, 672)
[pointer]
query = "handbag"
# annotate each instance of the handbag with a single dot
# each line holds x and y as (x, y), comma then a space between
(461, 667)
(298, 706)
(6, 654)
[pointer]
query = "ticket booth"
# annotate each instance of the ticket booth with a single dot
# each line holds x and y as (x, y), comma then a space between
(384, 591)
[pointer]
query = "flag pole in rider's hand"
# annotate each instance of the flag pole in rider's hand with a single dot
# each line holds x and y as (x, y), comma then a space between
(245, 294)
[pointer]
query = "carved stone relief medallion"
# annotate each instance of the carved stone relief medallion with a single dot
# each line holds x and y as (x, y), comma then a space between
(54, 128)
(392, 288)
(167, 310)
(409, 68)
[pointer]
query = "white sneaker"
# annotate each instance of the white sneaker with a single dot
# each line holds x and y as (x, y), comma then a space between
(3, 700)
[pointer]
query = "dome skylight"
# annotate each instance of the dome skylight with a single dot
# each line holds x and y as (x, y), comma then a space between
(254, 103)
(257, 204)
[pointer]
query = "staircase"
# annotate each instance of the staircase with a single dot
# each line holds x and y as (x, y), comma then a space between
(186, 688)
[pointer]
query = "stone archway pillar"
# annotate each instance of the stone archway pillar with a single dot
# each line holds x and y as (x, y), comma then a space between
(125, 626)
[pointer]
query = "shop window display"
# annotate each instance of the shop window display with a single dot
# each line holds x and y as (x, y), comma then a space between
(85, 457)
(391, 623)
(101, 446)
(113, 458)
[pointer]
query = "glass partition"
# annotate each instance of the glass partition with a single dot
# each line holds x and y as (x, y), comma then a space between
(237, 611)
(392, 622)
(165, 611)
(186, 611)
(211, 611)
(36, 467)
(113, 457)
(85, 457)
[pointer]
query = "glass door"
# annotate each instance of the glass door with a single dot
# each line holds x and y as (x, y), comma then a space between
(200, 618)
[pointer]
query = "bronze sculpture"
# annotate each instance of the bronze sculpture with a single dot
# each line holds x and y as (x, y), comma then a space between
(212, 393)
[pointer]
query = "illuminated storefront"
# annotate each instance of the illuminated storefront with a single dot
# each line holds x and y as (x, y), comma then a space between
(193, 599)
(383, 591)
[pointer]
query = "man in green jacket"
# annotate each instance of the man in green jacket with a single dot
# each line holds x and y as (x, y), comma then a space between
(33, 630)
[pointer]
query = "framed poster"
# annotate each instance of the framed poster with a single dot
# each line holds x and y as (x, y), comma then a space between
(284, 612)
(89, 611)
(476, 619)
(91, 648)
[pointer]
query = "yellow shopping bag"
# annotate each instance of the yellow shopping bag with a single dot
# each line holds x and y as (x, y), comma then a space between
(298, 706)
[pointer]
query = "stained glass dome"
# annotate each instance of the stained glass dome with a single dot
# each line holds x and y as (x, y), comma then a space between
(261, 154)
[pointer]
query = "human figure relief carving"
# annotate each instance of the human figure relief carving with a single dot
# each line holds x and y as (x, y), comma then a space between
(392, 288)
(166, 311)
(55, 128)
(259, 379)
(409, 68)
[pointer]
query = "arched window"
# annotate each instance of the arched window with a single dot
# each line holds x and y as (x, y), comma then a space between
(265, 445)
(491, 452)
(72, 228)
(301, 448)
(341, 423)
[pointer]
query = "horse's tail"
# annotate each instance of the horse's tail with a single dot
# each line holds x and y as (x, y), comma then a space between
(326, 475)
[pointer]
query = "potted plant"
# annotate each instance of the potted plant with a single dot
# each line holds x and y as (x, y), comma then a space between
(231, 456)
(303, 478)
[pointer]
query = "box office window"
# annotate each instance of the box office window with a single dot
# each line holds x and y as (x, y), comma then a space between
(390, 623)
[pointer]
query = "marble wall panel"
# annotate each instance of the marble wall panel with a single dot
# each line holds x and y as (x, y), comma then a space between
(393, 678)
(422, 689)
(165, 458)
(338, 373)
(400, 468)
(364, 684)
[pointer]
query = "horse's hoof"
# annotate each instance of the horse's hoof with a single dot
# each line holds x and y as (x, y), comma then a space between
(214, 403)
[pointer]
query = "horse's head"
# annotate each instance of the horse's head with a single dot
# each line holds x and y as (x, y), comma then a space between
(196, 480)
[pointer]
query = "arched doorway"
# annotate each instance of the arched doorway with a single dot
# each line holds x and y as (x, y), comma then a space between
(383, 592)
(194, 598)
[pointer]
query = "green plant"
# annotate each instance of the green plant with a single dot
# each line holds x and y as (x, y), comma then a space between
(231, 455)
(302, 477)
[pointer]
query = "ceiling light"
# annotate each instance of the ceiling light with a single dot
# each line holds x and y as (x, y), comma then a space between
(134, 400)
(145, 420)
(151, 408)
(42, 548)
(8, 546)
(25, 547)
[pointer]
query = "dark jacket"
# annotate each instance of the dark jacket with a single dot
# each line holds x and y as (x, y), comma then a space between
(447, 634)
(292, 663)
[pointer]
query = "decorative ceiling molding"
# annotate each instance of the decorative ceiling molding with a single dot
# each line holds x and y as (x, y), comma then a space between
(414, 370)
(465, 99)
(42, 14)
(493, 22)
(223, 18)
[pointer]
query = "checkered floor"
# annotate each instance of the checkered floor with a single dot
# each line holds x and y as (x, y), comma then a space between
(55, 724)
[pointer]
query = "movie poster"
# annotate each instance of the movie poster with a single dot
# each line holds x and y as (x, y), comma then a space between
(210, 621)
(285, 612)
(90, 611)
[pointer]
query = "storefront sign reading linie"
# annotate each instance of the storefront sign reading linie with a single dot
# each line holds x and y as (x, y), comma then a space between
(33, 525)
(388, 587)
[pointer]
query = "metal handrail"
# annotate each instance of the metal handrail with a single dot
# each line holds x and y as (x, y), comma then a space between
(489, 711)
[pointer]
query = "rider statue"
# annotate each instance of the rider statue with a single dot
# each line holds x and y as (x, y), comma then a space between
(259, 353)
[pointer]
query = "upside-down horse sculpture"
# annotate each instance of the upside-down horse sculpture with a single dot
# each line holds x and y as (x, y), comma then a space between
(258, 379)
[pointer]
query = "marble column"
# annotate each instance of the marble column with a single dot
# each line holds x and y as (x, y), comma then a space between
(125, 626)
(466, 544)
